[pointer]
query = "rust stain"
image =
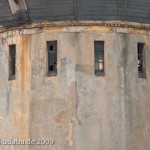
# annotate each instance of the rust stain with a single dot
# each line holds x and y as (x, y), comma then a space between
(22, 62)
(24, 59)
(54, 29)
(21, 123)
(139, 31)
(69, 115)
(63, 118)
(11, 147)
(98, 28)
(69, 137)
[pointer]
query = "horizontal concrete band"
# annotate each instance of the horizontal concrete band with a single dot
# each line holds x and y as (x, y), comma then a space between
(125, 24)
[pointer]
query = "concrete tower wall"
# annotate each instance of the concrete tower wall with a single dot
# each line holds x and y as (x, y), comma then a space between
(77, 109)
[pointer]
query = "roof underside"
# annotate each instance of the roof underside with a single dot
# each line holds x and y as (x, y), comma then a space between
(56, 10)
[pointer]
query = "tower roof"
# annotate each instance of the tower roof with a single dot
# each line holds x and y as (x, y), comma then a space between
(56, 10)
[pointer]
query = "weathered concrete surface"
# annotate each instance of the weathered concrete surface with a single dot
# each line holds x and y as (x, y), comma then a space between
(15, 94)
(77, 109)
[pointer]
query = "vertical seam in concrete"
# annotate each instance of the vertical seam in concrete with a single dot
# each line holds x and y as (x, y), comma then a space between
(29, 46)
(124, 91)
(76, 86)
(148, 96)
(29, 101)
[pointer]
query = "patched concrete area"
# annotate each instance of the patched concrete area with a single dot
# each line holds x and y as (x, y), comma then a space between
(76, 108)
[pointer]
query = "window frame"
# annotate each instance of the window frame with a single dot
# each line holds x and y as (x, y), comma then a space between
(12, 62)
(141, 48)
(51, 73)
(99, 72)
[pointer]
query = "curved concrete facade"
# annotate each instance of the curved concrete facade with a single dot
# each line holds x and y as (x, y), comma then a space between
(77, 109)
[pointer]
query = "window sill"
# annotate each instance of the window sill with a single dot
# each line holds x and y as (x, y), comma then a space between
(99, 73)
(12, 78)
(142, 76)
(52, 74)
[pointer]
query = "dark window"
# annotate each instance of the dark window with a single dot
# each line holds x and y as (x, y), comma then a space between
(16, 1)
(52, 58)
(141, 60)
(99, 57)
(12, 61)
